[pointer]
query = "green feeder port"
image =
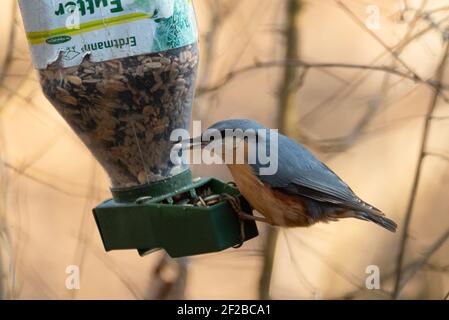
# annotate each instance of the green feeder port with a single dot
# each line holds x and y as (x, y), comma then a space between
(156, 216)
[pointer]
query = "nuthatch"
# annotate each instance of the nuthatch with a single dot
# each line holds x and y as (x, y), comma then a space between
(301, 192)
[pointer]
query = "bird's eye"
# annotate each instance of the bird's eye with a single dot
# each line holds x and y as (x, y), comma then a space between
(254, 138)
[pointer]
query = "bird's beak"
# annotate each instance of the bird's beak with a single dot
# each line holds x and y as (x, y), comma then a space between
(190, 143)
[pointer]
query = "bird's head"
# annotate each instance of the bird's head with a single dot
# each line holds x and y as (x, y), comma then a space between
(235, 124)
(232, 137)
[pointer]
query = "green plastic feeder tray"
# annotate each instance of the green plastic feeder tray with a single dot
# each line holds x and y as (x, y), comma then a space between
(147, 219)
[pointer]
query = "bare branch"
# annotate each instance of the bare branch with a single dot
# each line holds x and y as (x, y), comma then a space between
(44, 182)
(417, 177)
(341, 144)
(358, 80)
(362, 25)
(436, 268)
(422, 262)
(438, 155)
(10, 46)
(170, 287)
(441, 118)
(287, 113)
(303, 64)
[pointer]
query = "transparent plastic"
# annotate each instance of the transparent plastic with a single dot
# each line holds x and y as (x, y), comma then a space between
(124, 110)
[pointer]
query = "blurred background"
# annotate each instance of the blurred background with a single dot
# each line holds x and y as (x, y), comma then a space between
(364, 84)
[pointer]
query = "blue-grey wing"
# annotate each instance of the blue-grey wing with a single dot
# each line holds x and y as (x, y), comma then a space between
(300, 173)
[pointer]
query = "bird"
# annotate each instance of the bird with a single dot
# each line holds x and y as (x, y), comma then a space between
(302, 191)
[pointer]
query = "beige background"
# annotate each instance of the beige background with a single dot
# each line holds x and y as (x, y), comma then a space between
(51, 182)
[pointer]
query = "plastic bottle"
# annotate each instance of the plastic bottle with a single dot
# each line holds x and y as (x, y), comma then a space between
(122, 74)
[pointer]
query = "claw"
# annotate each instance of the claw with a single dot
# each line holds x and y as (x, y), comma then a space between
(236, 206)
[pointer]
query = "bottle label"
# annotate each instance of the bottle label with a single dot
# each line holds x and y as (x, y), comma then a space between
(68, 30)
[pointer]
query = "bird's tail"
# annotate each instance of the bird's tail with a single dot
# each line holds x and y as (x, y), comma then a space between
(377, 217)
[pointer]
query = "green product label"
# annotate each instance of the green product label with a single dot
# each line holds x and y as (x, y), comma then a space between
(105, 29)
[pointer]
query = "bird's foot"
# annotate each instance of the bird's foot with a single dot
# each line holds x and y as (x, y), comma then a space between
(250, 217)
(243, 216)
(236, 206)
(242, 235)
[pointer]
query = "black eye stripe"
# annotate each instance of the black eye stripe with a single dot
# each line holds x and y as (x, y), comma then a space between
(245, 137)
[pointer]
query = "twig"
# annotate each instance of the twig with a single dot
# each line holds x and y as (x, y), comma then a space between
(417, 176)
(121, 275)
(210, 38)
(7, 281)
(168, 288)
(422, 262)
(438, 155)
(385, 278)
(339, 269)
(287, 93)
(287, 107)
(10, 46)
(413, 267)
(436, 268)
(268, 262)
(44, 182)
(341, 144)
(441, 118)
(303, 64)
(362, 25)
(84, 235)
(385, 86)
(358, 80)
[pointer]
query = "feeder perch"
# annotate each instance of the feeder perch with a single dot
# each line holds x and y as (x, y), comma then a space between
(153, 222)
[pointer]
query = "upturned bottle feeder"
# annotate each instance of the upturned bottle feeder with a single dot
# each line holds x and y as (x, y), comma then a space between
(123, 78)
